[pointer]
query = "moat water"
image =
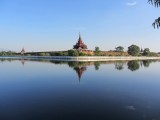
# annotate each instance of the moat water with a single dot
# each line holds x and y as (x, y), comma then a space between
(52, 90)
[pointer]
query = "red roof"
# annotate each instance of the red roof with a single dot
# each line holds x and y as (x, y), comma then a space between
(23, 50)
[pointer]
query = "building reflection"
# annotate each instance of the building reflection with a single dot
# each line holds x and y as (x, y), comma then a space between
(22, 61)
(81, 67)
(80, 71)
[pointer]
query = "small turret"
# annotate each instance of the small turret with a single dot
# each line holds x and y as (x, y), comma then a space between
(22, 52)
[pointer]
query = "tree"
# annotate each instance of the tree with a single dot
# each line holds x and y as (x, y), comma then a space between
(97, 50)
(146, 52)
(82, 54)
(73, 53)
(133, 50)
(119, 49)
(156, 3)
(41, 54)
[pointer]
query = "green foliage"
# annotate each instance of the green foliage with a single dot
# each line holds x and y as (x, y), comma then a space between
(146, 52)
(146, 63)
(97, 65)
(97, 51)
(8, 53)
(59, 54)
(153, 54)
(82, 54)
(73, 53)
(133, 65)
(133, 50)
(119, 49)
(65, 53)
(43, 54)
(156, 3)
(119, 65)
(28, 54)
(47, 54)
(89, 54)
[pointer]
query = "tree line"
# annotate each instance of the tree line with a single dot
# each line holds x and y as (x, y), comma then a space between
(133, 50)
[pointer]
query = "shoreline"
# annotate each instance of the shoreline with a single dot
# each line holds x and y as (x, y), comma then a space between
(82, 58)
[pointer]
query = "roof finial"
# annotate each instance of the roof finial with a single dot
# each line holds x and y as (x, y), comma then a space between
(79, 34)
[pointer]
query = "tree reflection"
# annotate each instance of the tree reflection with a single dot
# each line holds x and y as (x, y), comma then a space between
(81, 67)
(119, 65)
(146, 63)
(96, 65)
(133, 65)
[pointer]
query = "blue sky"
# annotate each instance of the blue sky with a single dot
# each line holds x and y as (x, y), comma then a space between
(45, 25)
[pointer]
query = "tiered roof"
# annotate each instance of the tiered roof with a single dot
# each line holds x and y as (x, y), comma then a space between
(80, 44)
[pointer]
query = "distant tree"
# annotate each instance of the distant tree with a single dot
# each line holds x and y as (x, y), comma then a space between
(73, 53)
(28, 54)
(146, 52)
(58, 54)
(41, 54)
(65, 53)
(97, 50)
(7, 53)
(153, 54)
(119, 49)
(156, 3)
(47, 54)
(82, 54)
(133, 65)
(133, 50)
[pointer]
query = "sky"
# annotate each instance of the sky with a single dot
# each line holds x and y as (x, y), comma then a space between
(54, 25)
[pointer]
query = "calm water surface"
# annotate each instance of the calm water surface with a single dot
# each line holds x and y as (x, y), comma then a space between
(50, 90)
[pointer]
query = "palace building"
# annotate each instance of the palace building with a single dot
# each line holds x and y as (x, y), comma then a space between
(22, 52)
(80, 45)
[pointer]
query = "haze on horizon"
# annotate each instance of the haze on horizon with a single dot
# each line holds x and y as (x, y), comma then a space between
(47, 25)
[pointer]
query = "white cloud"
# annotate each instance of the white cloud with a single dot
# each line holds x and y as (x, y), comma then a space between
(131, 3)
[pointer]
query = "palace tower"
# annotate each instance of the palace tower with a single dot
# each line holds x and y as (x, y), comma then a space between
(80, 45)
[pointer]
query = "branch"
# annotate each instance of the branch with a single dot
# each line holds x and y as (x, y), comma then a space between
(156, 23)
(156, 3)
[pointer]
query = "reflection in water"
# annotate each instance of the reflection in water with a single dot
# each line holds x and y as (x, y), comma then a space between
(119, 65)
(41, 91)
(22, 61)
(81, 67)
(80, 71)
(146, 63)
(97, 65)
(133, 65)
